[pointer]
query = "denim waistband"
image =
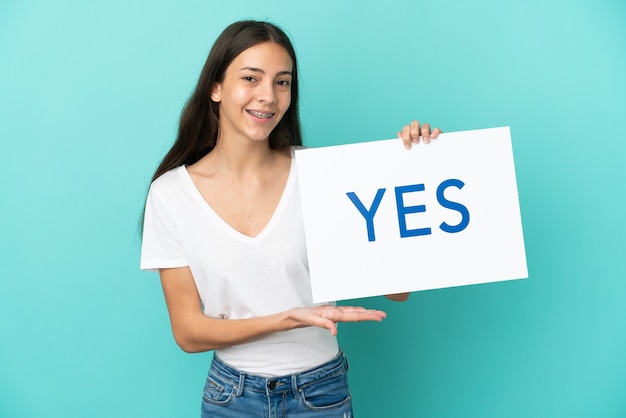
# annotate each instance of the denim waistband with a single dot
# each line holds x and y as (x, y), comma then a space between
(279, 384)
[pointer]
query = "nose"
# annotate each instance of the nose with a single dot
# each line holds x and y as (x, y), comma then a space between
(267, 92)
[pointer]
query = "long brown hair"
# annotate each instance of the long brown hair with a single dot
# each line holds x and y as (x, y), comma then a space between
(198, 129)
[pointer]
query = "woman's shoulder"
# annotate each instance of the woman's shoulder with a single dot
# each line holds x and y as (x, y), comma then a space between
(171, 178)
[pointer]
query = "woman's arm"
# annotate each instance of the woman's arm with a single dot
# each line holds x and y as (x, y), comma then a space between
(196, 332)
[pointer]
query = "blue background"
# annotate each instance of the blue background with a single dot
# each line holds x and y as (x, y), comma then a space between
(90, 94)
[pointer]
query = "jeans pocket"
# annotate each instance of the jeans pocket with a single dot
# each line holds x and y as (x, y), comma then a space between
(332, 392)
(218, 391)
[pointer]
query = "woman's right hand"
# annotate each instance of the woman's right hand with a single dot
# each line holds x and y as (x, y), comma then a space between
(327, 316)
(195, 332)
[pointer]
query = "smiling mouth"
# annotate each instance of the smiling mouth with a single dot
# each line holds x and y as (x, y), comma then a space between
(260, 114)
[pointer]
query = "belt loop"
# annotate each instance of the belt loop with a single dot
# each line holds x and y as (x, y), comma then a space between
(294, 386)
(242, 379)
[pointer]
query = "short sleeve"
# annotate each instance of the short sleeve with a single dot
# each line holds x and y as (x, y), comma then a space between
(161, 245)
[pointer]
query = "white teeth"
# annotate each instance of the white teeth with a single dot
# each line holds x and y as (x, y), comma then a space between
(260, 115)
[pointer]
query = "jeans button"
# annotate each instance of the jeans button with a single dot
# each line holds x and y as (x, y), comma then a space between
(271, 384)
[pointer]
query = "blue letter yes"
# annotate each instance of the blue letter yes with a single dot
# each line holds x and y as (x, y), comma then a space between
(368, 214)
(465, 216)
(404, 210)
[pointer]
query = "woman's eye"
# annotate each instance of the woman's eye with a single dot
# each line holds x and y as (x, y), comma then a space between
(284, 83)
(249, 78)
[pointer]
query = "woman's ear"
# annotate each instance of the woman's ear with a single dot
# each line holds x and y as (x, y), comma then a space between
(216, 93)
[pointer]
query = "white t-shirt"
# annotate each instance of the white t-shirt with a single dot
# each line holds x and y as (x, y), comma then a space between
(238, 276)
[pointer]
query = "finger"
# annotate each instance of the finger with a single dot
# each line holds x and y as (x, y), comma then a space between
(426, 133)
(435, 133)
(332, 327)
(366, 316)
(347, 308)
(360, 309)
(405, 135)
(358, 316)
(415, 132)
(322, 320)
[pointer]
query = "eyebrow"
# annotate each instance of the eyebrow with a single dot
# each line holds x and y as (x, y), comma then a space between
(259, 70)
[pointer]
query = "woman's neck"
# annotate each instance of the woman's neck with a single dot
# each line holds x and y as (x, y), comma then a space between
(239, 157)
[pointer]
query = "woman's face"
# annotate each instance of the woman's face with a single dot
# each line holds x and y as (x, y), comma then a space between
(255, 93)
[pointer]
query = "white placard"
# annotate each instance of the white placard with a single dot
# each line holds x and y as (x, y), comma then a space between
(380, 219)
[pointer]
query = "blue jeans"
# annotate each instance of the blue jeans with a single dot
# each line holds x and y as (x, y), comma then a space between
(319, 392)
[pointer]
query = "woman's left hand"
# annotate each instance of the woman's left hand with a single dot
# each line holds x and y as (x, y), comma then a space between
(410, 134)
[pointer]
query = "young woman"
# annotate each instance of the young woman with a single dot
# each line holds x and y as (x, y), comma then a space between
(223, 227)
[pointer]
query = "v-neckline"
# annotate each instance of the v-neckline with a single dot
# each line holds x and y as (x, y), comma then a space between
(225, 225)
